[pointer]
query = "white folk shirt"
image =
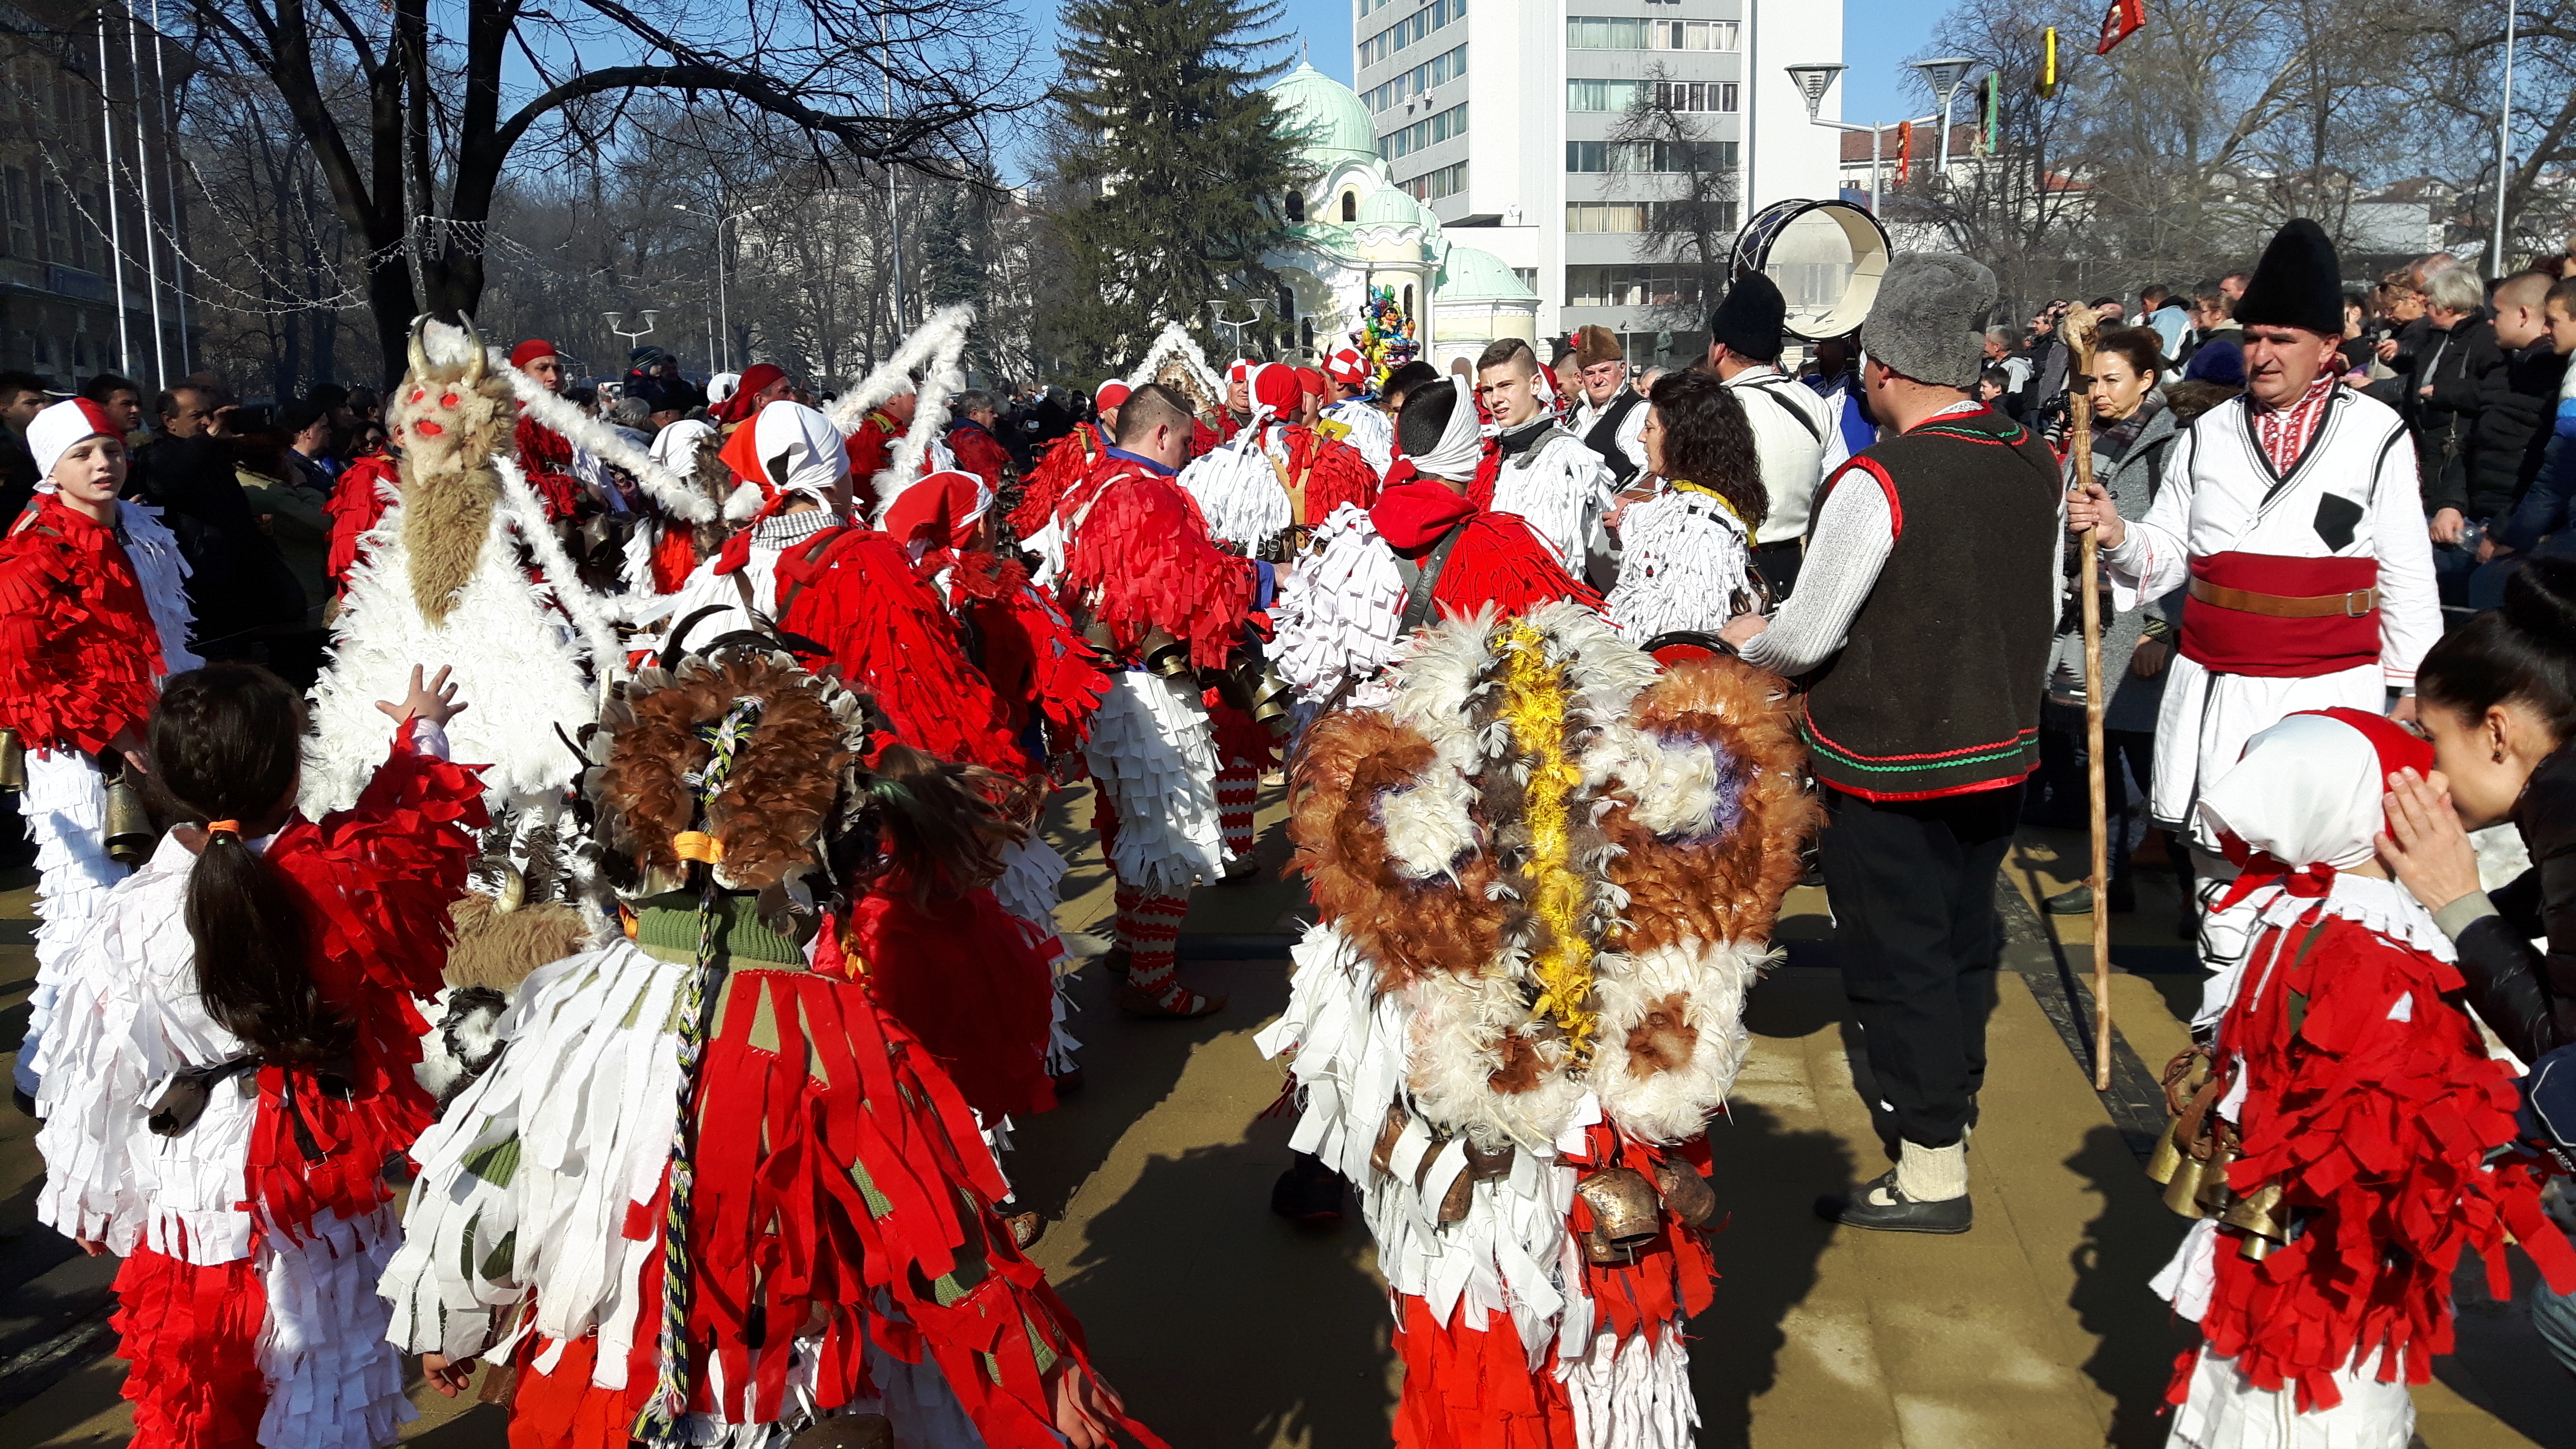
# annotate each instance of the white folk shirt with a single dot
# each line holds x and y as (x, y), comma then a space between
(1631, 436)
(1790, 427)
(2220, 496)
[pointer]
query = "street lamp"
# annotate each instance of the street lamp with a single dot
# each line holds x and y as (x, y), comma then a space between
(722, 309)
(1816, 79)
(617, 324)
(1216, 310)
(2504, 136)
(1944, 76)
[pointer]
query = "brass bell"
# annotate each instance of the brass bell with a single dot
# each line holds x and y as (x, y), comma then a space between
(1686, 1192)
(2182, 1188)
(1270, 702)
(1382, 1156)
(2252, 1214)
(13, 760)
(129, 835)
(1485, 1166)
(1163, 655)
(2213, 1195)
(1626, 1214)
(1098, 635)
(2167, 1158)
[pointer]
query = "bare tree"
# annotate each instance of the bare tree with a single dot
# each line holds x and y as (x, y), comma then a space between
(1661, 152)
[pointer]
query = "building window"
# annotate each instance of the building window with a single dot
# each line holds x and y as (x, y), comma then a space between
(1650, 156)
(1350, 205)
(1605, 216)
(1529, 278)
(1640, 216)
(1397, 144)
(1611, 32)
(1631, 287)
(1602, 95)
(1411, 29)
(1438, 70)
(22, 221)
(1716, 96)
(1432, 185)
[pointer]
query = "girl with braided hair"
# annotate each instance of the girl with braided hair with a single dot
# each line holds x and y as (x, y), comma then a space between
(230, 1074)
(712, 1191)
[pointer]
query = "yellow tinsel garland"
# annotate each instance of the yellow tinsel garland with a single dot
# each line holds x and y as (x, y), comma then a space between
(1534, 707)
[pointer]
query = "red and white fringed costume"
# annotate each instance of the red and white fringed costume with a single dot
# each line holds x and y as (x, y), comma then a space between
(1063, 465)
(1545, 875)
(89, 625)
(252, 1239)
(2361, 1106)
(1340, 617)
(546, 457)
(367, 487)
(1139, 564)
(835, 1247)
(1276, 477)
(790, 459)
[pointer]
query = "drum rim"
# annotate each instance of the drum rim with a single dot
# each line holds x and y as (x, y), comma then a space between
(1765, 227)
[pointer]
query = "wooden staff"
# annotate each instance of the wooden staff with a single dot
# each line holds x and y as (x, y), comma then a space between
(2081, 325)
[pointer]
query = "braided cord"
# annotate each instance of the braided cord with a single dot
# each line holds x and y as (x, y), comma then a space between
(660, 1421)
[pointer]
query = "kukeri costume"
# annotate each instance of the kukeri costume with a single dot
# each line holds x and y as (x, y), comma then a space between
(1559, 486)
(1545, 876)
(2340, 1154)
(544, 455)
(1684, 564)
(713, 1192)
(92, 617)
(1424, 552)
(253, 1230)
(1361, 422)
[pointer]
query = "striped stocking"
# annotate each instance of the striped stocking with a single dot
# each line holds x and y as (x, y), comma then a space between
(1236, 787)
(1153, 932)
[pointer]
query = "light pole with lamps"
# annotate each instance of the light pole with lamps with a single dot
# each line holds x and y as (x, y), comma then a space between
(617, 324)
(1813, 81)
(723, 309)
(1216, 311)
(1944, 77)
(2504, 135)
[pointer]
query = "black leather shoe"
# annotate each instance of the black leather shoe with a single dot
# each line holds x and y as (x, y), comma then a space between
(1308, 1192)
(1880, 1206)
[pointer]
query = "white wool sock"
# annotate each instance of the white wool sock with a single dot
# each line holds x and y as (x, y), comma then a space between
(1932, 1174)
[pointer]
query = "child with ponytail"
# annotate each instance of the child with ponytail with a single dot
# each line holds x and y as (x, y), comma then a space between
(229, 1077)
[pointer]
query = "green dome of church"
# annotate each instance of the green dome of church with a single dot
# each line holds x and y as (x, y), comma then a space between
(1326, 116)
(1471, 274)
(1390, 206)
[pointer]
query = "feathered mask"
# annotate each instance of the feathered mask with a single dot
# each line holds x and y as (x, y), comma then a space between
(1569, 860)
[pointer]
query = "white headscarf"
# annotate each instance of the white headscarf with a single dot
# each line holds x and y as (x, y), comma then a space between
(53, 432)
(1461, 445)
(721, 386)
(676, 447)
(797, 450)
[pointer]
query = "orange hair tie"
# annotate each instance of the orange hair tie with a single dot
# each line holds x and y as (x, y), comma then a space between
(223, 827)
(699, 846)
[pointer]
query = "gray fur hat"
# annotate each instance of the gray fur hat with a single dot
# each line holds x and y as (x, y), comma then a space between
(1930, 317)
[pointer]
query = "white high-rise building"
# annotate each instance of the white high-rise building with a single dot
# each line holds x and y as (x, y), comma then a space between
(1499, 115)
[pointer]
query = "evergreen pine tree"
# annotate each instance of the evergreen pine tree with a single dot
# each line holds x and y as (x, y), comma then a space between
(957, 227)
(1173, 161)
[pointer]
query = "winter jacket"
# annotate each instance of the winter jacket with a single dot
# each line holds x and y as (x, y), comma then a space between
(2454, 365)
(2511, 428)
(2546, 505)
(2132, 480)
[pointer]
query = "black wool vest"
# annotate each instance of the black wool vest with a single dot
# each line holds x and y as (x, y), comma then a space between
(1937, 688)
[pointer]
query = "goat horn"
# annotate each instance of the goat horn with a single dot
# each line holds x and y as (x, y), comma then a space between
(476, 358)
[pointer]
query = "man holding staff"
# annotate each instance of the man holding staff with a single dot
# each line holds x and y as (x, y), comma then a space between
(2292, 518)
(1922, 622)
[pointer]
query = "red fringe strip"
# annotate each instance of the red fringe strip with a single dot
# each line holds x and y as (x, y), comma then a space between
(192, 1335)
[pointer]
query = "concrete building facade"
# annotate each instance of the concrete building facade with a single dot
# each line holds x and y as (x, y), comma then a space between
(1500, 117)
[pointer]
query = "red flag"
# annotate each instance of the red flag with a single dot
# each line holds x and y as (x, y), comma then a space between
(2121, 22)
(1904, 151)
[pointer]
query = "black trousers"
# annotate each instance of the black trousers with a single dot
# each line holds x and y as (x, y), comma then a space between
(1912, 885)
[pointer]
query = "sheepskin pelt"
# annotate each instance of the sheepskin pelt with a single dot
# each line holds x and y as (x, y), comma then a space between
(1567, 862)
(497, 948)
(453, 412)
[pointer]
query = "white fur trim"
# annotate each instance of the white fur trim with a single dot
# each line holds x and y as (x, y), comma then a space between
(743, 503)
(1670, 1107)
(607, 660)
(592, 436)
(936, 346)
(1175, 341)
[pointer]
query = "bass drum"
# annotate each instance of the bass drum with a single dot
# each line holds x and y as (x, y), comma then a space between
(1825, 256)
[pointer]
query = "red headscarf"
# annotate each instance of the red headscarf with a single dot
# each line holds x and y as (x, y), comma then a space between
(530, 350)
(937, 516)
(756, 377)
(1310, 380)
(1112, 393)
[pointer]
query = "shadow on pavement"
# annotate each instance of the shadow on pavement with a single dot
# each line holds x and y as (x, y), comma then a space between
(2137, 1337)
(1767, 1178)
(1227, 1325)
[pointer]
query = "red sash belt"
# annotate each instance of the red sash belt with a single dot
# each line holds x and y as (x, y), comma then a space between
(2274, 642)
